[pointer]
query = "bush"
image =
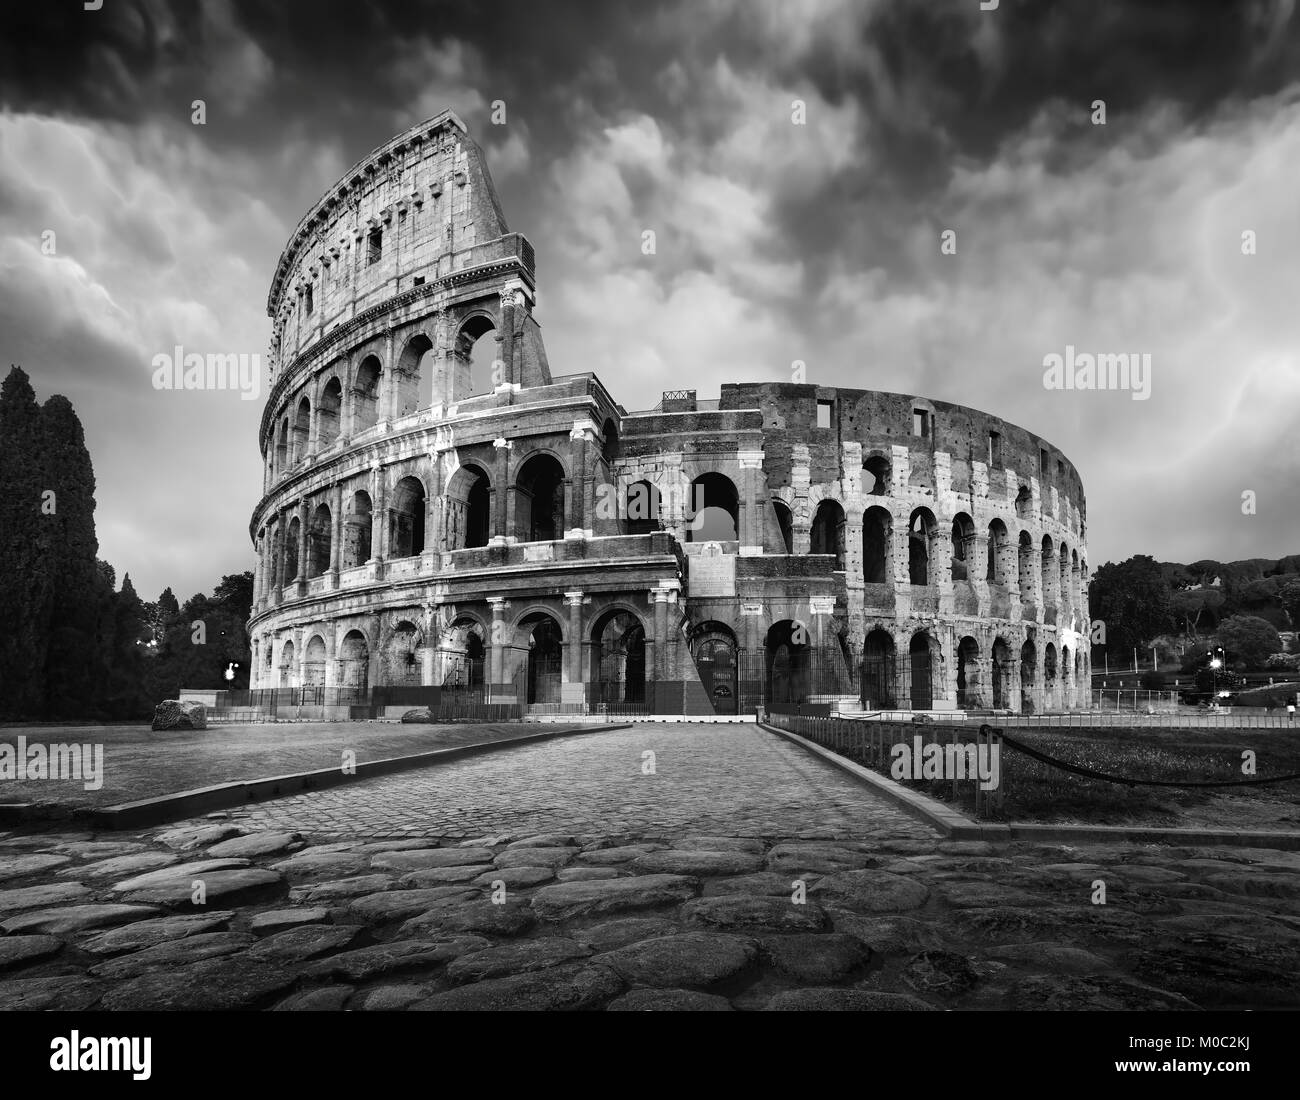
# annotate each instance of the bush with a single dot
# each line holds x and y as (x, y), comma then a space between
(1283, 660)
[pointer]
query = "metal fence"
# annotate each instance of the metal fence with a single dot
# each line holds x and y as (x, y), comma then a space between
(899, 750)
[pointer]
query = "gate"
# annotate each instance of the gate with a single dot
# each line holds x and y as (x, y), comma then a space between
(922, 694)
(879, 674)
(716, 662)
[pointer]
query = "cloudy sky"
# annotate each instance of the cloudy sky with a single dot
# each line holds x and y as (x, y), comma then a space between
(776, 241)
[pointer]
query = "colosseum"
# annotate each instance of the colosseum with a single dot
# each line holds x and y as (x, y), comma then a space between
(444, 517)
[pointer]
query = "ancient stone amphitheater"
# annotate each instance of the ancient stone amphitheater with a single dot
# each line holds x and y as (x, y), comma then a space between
(444, 518)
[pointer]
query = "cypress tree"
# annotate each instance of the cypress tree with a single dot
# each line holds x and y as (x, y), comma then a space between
(26, 538)
(74, 682)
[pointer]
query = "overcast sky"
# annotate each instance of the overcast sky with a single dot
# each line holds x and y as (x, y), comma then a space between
(776, 241)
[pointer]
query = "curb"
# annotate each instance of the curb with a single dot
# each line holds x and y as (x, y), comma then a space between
(223, 796)
(957, 826)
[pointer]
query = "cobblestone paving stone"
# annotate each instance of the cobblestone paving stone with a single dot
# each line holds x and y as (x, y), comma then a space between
(734, 779)
(893, 916)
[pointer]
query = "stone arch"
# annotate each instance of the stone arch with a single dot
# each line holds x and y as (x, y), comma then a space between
(314, 662)
(970, 692)
(410, 388)
(301, 430)
(543, 657)
(319, 534)
(714, 650)
(618, 657)
(922, 530)
(878, 466)
(714, 509)
(329, 413)
(406, 518)
(1028, 676)
(462, 654)
(357, 531)
(922, 652)
(877, 540)
(642, 507)
(611, 445)
(1047, 557)
(1025, 566)
(788, 663)
(828, 529)
(403, 654)
(1001, 673)
(540, 498)
(963, 546)
(469, 508)
(354, 662)
(282, 449)
(879, 670)
(785, 524)
(1024, 502)
(1049, 676)
(288, 670)
(366, 386)
(292, 543)
(474, 358)
(996, 570)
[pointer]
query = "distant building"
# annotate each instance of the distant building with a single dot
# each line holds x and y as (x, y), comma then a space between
(784, 544)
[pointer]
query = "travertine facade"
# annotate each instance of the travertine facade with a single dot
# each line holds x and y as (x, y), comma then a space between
(784, 542)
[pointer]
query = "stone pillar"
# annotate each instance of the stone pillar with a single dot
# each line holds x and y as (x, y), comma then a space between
(751, 514)
(378, 519)
(501, 495)
(660, 598)
(336, 535)
(572, 691)
(800, 510)
(303, 520)
(511, 299)
(496, 646)
(388, 388)
(313, 425)
(575, 521)
(281, 531)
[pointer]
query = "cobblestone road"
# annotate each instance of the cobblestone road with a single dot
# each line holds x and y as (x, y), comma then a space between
(737, 779)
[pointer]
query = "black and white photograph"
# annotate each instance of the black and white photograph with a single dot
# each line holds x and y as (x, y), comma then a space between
(672, 506)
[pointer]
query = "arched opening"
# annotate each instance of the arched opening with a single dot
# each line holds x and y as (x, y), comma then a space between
(920, 545)
(1026, 567)
(1063, 588)
(1049, 676)
(282, 449)
(277, 552)
(291, 550)
(313, 666)
(354, 664)
(301, 431)
(610, 444)
(789, 664)
(969, 689)
(876, 484)
(463, 657)
(922, 676)
(641, 509)
(1028, 672)
(1067, 680)
(477, 355)
(404, 655)
(1047, 564)
(996, 573)
(540, 500)
(715, 510)
(329, 413)
(408, 376)
(357, 533)
(879, 672)
(1001, 674)
(1024, 502)
(406, 530)
(545, 659)
(288, 673)
(713, 647)
(828, 531)
(963, 546)
(784, 523)
(365, 395)
(318, 541)
(877, 529)
(619, 655)
(469, 509)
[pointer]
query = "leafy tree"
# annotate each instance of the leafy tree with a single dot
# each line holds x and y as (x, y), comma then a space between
(1289, 597)
(1132, 598)
(1248, 640)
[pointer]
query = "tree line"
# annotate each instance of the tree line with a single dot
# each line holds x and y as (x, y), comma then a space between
(74, 645)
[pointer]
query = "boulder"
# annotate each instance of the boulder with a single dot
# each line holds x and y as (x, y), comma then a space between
(173, 714)
(420, 714)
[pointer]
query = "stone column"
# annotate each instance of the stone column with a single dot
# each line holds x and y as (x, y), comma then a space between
(751, 515)
(511, 299)
(280, 530)
(496, 646)
(572, 691)
(660, 598)
(378, 519)
(800, 510)
(575, 503)
(501, 494)
(336, 535)
(303, 520)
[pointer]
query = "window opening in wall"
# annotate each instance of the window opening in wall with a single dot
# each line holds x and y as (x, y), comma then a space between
(920, 423)
(823, 414)
(1042, 463)
(307, 300)
(419, 280)
(1060, 470)
(995, 449)
(376, 246)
